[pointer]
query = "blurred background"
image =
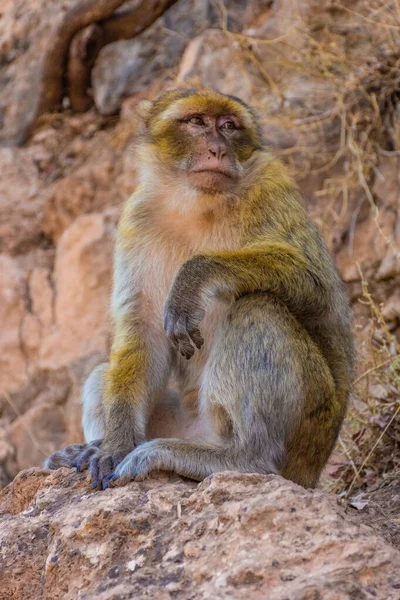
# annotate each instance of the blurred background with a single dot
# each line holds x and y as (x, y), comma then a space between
(325, 79)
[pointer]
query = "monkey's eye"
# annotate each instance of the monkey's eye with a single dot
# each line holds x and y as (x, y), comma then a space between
(228, 125)
(196, 120)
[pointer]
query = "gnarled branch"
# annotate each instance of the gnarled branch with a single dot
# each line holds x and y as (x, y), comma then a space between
(52, 75)
(72, 52)
(86, 45)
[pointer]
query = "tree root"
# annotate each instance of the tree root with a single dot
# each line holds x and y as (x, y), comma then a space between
(83, 32)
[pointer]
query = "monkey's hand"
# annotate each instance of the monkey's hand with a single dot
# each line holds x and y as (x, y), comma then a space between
(183, 313)
(87, 456)
(102, 464)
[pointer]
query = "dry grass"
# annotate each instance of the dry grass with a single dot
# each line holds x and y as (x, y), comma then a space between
(370, 441)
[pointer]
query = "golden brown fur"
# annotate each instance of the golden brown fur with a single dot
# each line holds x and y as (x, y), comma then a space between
(222, 282)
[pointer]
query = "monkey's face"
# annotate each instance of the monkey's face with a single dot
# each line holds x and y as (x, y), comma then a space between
(212, 142)
(204, 137)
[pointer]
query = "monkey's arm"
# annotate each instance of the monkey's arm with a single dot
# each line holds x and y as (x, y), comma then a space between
(138, 365)
(275, 267)
(136, 376)
(125, 390)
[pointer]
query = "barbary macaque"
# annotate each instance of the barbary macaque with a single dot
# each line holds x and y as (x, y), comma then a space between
(222, 282)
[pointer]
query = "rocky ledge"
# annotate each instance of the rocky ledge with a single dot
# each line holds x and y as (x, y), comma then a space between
(232, 536)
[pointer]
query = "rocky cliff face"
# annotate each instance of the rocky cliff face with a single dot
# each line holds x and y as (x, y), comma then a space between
(325, 78)
(232, 536)
(318, 75)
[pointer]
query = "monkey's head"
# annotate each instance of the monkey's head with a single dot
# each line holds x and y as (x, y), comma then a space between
(202, 137)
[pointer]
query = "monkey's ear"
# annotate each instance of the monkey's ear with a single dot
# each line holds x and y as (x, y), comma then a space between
(144, 109)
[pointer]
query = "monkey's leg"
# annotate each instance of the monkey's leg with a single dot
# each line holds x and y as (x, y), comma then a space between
(93, 421)
(271, 398)
(166, 420)
(140, 363)
(93, 414)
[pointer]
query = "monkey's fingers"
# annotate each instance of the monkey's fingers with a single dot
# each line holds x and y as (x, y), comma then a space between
(94, 470)
(55, 461)
(108, 481)
(183, 345)
(74, 449)
(170, 323)
(116, 459)
(196, 337)
(178, 332)
(81, 462)
(101, 465)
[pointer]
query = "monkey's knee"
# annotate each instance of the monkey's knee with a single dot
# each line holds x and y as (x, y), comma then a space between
(269, 376)
(93, 416)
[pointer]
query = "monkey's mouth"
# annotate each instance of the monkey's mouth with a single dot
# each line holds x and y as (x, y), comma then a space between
(214, 171)
(213, 181)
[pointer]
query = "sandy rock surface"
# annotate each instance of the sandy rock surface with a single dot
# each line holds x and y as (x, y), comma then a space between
(232, 536)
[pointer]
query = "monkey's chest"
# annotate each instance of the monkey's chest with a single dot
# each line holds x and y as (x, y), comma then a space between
(156, 274)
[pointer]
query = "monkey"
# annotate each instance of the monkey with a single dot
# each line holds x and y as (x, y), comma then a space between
(221, 283)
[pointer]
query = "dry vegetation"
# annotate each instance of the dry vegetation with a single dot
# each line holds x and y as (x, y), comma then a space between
(371, 441)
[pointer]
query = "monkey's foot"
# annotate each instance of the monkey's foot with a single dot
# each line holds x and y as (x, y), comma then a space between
(101, 465)
(65, 457)
(82, 459)
(147, 457)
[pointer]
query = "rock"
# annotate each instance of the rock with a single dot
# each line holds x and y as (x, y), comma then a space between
(82, 278)
(391, 309)
(20, 201)
(390, 266)
(25, 37)
(40, 206)
(378, 391)
(94, 190)
(42, 416)
(45, 424)
(387, 190)
(129, 67)
(207, 61)
(35, 419)
(367, 247)
(51, 319)
(233, 536)
(12, 309)
(383, 508)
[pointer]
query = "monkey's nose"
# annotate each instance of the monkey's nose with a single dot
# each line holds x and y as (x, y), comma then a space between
(216, 150)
